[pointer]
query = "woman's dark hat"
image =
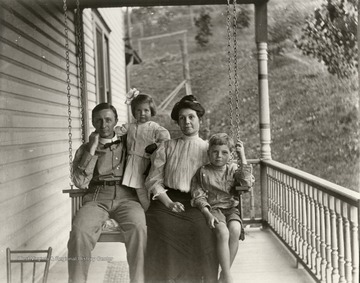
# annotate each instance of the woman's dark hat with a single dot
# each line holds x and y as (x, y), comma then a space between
(188, 101)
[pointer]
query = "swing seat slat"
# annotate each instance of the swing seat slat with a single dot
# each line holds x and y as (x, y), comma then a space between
(76, 196)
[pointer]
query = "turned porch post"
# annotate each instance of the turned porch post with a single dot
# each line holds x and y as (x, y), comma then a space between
(264, 108)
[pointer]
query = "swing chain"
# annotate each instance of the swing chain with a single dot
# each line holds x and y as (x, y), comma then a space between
(236, 81)
(68, 88)
(229, 69)
(233, 89)
(81, 71)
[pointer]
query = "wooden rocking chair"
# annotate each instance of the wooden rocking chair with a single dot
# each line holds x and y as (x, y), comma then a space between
(28, 256)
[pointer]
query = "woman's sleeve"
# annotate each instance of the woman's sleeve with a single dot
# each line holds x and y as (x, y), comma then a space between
(83, 167)
(198, 193)
(154, 182)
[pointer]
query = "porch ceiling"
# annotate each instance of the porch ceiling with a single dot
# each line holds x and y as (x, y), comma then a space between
(141, 3)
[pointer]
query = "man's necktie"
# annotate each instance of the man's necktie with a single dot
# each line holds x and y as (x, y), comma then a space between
(111, 143)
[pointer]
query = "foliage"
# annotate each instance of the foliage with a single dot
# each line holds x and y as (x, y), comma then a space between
(143, 14)
(284, 23)
(203, 24)
(243, 18)
(150, 16)
(330, 35)
(314, 116)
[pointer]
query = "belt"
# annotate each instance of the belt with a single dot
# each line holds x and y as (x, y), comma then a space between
(142, 154)
(106, 183)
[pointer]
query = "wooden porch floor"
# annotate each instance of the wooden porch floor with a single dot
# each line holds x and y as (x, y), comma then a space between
(261, 258)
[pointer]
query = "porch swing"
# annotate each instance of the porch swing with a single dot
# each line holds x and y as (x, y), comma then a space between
(110, 232)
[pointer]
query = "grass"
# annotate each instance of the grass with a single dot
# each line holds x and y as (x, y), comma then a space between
(314, 115)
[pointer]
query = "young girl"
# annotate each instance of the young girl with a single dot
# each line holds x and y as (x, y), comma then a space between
(140, 134)
(210, 189)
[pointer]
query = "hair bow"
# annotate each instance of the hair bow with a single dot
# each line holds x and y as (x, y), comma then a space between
(133, 92)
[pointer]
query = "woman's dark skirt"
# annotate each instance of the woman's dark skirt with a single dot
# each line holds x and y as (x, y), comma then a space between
(181, 247)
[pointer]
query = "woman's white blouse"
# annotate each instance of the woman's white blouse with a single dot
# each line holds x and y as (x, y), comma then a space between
(174, 163)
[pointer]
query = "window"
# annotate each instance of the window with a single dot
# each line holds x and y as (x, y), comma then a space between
(102, 58)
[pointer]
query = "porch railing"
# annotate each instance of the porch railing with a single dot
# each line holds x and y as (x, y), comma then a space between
(317, 220)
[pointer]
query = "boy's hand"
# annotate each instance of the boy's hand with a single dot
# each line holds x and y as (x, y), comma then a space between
(240, 151)
(211, 220)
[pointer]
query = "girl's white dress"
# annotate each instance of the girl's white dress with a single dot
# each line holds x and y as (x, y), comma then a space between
(140, 136)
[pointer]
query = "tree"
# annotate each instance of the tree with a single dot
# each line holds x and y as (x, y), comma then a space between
(203, 24)
(330, 35)
(243, 18)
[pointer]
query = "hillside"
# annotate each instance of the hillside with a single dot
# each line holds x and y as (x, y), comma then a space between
(314, 115)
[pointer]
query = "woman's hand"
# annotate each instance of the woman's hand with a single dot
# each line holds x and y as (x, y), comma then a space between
(176, 207)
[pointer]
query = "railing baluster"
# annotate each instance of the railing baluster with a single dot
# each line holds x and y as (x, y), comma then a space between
(329, 267)
(274, 200)
(297, 217)
(281, 202)
(286, 209)
(278, 203)
(308, 227)
(334, 241)
(268, 182)
(273, 204)
(292, 213)
(304, 221)
(252, 203)
(354, 226)
(312, 229)
(341, 260)
(317, 233)
(347, 240)
(322, 237)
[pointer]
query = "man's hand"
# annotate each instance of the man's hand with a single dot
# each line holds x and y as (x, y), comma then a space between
(93, 142)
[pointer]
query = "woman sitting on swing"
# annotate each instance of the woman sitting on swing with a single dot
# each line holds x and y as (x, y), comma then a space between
(181, 247)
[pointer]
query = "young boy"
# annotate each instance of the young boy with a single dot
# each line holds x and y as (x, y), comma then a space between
(210, 189)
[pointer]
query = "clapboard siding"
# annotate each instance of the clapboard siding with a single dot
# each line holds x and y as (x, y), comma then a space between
(34, 181)
(34, 166)
(31, 29)
(29, 105)
(34, 149)
(27, 89)
(20, 136)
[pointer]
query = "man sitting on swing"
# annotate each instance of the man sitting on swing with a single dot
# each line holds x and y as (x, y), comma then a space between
(99, 165)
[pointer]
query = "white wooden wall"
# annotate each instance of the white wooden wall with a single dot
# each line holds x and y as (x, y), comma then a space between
(114, 18)
(34, 213)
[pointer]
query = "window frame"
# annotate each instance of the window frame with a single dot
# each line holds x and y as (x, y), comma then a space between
(101, 33)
